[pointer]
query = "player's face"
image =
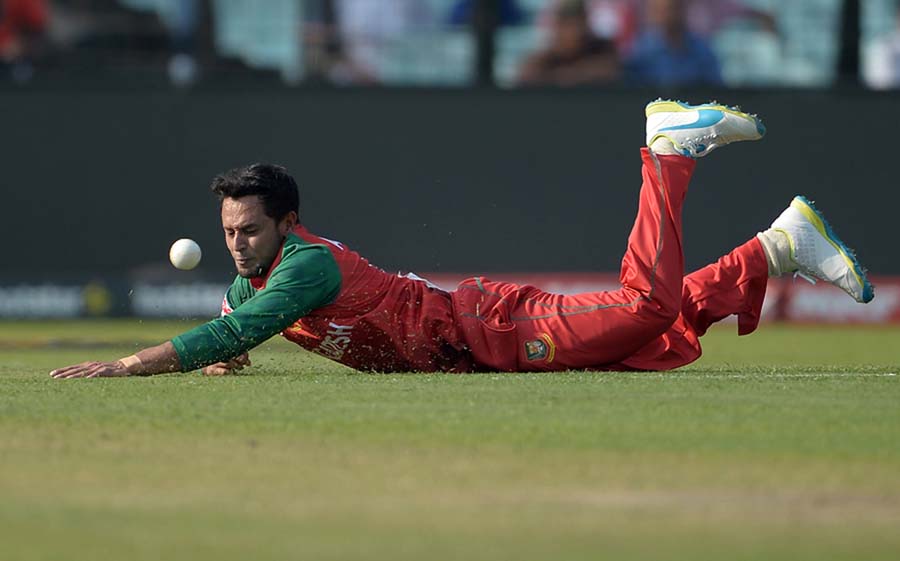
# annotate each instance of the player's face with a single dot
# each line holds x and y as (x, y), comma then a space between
(253, 238)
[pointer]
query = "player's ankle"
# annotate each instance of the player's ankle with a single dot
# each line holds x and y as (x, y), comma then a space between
(663, 146)
(777, 247)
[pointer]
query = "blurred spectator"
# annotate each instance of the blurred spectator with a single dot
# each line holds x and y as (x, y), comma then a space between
(574, 55)
(881, 62)
(615, 20)
(667, 53)
(708, 16)
(366, 28)
(22, 22)
(183, 24)
(621, 20)
(183, 27)
(325, 54)
(510, 13)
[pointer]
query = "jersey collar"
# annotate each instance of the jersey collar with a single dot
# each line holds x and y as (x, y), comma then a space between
(259, 283)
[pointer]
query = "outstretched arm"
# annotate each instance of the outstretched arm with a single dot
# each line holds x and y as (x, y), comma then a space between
(307, 278)
(154, 360)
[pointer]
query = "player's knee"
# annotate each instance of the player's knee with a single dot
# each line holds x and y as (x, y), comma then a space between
(660, 316)
(670, 312)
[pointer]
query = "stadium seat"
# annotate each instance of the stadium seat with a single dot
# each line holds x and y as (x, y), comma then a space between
(265, 39)
(749, 57)
(436, 57)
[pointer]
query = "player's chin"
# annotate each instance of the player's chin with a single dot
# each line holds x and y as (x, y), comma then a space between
(246, 269)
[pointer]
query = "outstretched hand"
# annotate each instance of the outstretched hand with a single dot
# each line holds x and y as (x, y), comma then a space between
(223, 368)
(92, 369)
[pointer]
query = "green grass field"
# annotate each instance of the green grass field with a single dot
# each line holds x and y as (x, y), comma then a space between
(781, 445)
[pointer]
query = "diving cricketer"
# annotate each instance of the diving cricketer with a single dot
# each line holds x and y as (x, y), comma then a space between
(328, 299)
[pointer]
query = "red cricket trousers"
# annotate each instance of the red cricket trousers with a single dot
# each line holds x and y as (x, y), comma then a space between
(652, 323)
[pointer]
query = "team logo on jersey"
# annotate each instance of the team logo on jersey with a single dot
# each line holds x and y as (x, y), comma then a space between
(541, 349)
(226, 307)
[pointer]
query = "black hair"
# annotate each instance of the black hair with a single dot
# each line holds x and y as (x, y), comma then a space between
(275, 187)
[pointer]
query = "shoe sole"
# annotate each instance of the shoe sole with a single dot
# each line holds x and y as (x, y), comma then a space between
(668, 106)
(806, 208)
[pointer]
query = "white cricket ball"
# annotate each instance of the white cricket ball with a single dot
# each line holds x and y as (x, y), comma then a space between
(185, 254)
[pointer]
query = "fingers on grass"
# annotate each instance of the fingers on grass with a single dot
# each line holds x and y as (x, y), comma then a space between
(218, 369)
(69, 371)
(87, 371)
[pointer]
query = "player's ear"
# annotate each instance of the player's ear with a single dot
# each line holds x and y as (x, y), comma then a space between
(287, 223)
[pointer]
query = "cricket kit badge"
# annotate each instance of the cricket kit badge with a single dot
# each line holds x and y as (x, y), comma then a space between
(540, 349)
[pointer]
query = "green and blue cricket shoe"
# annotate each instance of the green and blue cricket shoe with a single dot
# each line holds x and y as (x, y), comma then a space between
(694, 131)
(817, 251)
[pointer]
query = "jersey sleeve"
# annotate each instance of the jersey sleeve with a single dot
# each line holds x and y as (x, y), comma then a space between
(306, 278)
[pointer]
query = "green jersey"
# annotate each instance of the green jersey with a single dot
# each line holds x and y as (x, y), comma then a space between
(304, 277)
